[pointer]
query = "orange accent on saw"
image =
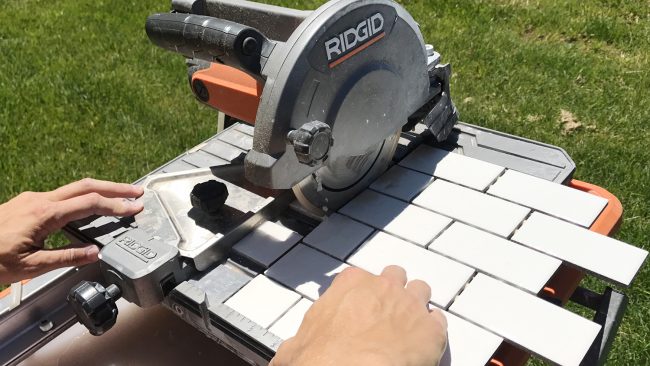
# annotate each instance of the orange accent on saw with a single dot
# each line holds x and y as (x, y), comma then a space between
(335, 63)
(566, 279)
(231, 91)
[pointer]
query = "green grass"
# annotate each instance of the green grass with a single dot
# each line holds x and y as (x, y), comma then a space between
(84, 93)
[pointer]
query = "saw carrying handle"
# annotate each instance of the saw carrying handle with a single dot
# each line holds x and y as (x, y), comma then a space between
(211, 39)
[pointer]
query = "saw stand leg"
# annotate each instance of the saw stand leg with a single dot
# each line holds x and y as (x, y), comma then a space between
(609, 307)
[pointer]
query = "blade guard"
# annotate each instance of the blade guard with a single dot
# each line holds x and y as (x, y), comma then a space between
(358, 66)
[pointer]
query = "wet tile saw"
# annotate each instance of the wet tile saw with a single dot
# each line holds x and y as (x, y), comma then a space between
(332, 100)
(318, 105)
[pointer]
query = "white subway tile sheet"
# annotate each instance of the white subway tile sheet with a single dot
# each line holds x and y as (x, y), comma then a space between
(511, 262)
(453, 167)
(267, 243)
(468, 344)
(262, 301)
(306, 271)
(287, 326)
(396, 217)
(555, 199)
(601, 255)
(538, 326)
(401, 183)
(475, 208)
(338, 236)
(445, 276)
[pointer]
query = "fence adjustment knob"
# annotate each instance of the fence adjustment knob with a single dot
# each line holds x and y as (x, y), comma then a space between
(94, 305)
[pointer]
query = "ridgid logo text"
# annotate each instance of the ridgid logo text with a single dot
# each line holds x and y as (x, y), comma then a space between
(138, 249)
(355, 39)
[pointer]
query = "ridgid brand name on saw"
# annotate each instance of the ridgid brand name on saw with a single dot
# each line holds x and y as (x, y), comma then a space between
(355, 38)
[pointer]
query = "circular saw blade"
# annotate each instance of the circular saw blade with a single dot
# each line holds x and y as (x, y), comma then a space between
(333, 185)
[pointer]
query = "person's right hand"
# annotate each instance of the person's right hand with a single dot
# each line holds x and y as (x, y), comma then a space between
(363, 319)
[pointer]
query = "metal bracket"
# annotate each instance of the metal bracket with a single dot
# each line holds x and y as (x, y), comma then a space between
(42, 315)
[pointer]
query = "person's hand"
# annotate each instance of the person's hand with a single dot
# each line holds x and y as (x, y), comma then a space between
(363, 319)
(27, 219)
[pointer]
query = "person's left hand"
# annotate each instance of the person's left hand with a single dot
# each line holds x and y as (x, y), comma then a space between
(27, 220)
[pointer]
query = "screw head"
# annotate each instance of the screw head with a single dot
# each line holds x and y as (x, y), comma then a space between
(249, 46)
(45, 325)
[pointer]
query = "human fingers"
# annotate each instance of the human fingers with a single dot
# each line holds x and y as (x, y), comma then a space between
(77, 208)
(89, 185)
(439, 317)
(440, 322)
(346, 279)
(43, 261)
(395, 274)
(420, 290)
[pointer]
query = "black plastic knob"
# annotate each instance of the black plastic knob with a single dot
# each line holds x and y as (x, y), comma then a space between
(95, 305)
(209, 197)
(311, 142)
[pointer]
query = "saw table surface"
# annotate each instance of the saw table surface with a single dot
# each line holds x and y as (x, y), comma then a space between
(485, 237)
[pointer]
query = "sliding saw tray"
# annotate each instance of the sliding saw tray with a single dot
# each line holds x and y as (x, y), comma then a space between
(256, 297)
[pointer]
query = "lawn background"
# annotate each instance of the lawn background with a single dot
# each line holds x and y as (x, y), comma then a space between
(84, 93)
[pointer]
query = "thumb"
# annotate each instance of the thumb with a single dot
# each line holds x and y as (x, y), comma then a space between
(47, 260)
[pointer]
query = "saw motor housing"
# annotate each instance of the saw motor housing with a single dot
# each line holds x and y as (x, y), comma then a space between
(358, 69)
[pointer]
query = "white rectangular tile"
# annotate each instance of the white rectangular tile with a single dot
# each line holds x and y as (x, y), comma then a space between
(306, 271)
(538, 326)
(338, 236)
(601, 255)
(236, 138)
(401, 183)
(262, 301)
(511, 262)
(244, 128)
(396, 217)
(267, 243)
(287, 326)
(222, 150)
(201, 159)
(177, 166)
(475, 208)
(468, 344)
(445, 276)
(558, 200)
(451, 166)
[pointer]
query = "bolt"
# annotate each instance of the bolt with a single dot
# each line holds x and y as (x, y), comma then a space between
(46, 325)
(249, 46)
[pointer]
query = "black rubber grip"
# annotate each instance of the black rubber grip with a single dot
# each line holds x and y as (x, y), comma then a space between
(210, 39)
